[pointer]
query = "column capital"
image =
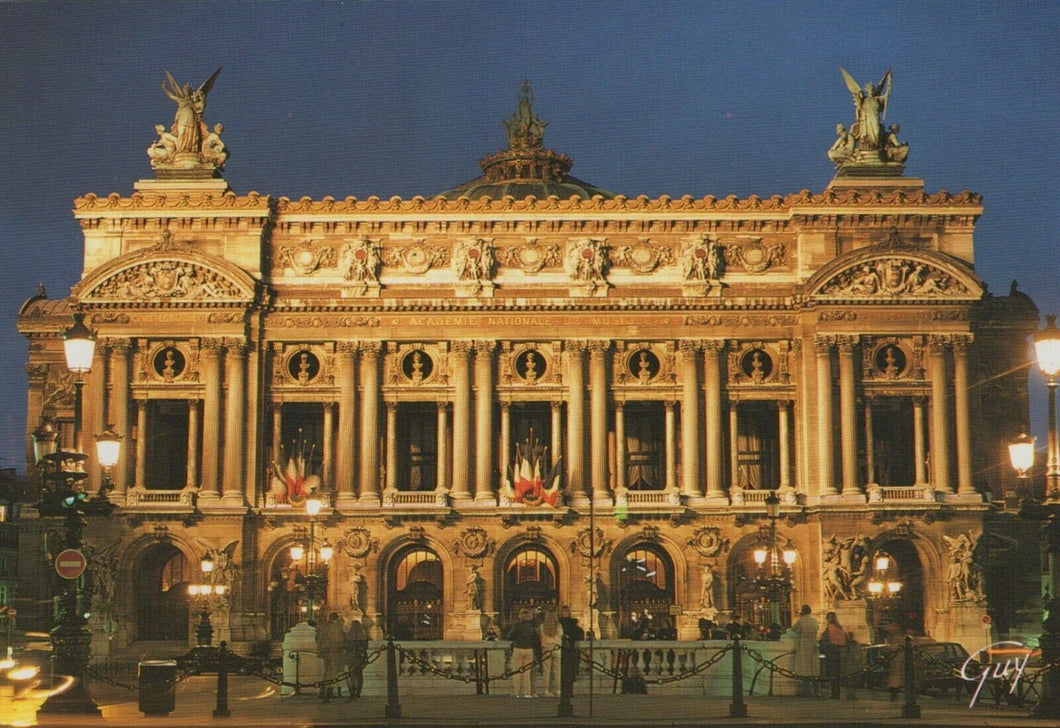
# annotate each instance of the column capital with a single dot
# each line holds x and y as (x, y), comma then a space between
(599, 346)
(371, 348)
(555, 404)
(347, 347)
(211, 345)
(461, 346)
(235, 346)
(484, 347)
(115, 344)
(846, 343)
(689, 346)
(575, 346)
(939, 342)
(669, 405)
(714, 346)
(443, 407)
(391, 406)
(328, 406)
(961, 342)
(822, 344)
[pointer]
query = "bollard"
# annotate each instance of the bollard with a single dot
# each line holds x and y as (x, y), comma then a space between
(221, 711)
(393, 707)
(568, 668)
(910, 709)
(737, 709)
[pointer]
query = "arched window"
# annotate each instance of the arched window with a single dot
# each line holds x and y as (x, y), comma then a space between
(529, 581)
(161, 588)
(645, 592)
(414, 598)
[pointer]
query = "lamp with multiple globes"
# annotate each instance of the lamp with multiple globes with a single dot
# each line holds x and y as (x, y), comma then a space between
(774, 563)
(1046, 512)
(316, 560)
(205, 590)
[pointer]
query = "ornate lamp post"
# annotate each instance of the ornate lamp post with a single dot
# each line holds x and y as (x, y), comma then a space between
(64, 495)
(883, 588)
(774, 579)
(316, 559)
(205, 590)
(1047, 348)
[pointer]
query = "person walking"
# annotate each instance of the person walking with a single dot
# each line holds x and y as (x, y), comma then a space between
(551, 639)
(526, 647)
(833, 642)
(329, 638)
(356, 658)
(807, 657)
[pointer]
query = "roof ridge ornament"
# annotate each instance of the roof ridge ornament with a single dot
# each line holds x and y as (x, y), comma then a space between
(868, 148)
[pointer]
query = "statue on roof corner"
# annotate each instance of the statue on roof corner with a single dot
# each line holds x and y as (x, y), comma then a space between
(868, 143)
(189, 143)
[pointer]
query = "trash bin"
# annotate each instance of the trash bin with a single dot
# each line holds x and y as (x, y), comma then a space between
(158, 686)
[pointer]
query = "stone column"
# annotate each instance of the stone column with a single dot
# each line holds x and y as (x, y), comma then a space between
(690, 464)
(556, 410)
(461, 418)
(277, 434)
(940, 432)
(506, 440)
(391, 446)
(598, 416)
(369, 476)
(965, 486)
(94, 417)
(327, 450)
(620, 445)
(712, 385)
(345, 466)
(194, 411)
(784, 441)
(235, 417)
(734, 444)
(825, 473)
(119, 410)
(919, 454)
(576, 420)
(211, 420)
(140, 472)
(442, 457)
(484, 421)
(671, 445)
(870, 449)
(847, 425)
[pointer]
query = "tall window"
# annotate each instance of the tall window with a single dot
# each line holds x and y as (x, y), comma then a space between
(892, 441)
(414, 599)
(529, 581)
(645, 446)
(645, 590)
(302, 433)
(417, 447)
(167, 450)
(756, 446)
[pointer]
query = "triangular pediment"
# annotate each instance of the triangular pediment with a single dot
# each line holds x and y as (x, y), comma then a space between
(167, 276)
(908, 275)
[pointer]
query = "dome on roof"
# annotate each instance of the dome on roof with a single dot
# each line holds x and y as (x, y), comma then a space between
(526, 168)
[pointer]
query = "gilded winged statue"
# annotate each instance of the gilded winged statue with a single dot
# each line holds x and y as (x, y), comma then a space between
(870, 107)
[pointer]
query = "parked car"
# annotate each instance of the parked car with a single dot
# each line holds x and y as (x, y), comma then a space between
(937, 666)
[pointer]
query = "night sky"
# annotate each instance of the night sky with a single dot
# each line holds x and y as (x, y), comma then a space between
(403, 98)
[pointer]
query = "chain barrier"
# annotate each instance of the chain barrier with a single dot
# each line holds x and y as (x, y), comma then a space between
(685, 673)
(340, 678)
(448, 674)
(96, 674)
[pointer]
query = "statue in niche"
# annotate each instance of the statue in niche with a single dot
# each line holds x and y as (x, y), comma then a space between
(706, 596)
(531, 367)
(303, 368)
(643, 368)
(188, 128)
(474, 589)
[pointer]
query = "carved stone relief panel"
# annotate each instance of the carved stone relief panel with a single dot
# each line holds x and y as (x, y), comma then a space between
(307, 257)
(759, 363)
(643, 363)
(531, 256)
(886, 358)
(644, 256)
(529, 363)
(755, 256)
(414, 364)
(303, 365)
(417, 257)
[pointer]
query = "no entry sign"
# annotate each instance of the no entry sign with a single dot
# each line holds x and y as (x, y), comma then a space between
(70, 563)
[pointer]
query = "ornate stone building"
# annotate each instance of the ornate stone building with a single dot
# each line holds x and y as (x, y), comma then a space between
(474, 379)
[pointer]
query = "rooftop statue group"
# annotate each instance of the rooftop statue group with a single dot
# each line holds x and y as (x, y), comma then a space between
(189, 143)
(867, 141)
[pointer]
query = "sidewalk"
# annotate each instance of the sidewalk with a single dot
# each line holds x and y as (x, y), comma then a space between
(253, 702)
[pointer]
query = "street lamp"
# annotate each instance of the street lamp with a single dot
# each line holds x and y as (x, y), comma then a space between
(205, 590)
(774, 579)
(108, 452)
(64, 496)
(1021, 453)
(316, 579)
(1047, 349)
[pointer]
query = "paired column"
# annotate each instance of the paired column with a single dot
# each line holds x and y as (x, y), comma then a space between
(442, 449)
(194, 415)
(712, 351)
(576, 420)
(484, 420)
(140, 471)
(345, 365)
(506, 440)
(391, 446)
(598, 351)
(118, 409)
(235, 417)
(870, 450)
(671, 445)
(556, 410)
(940, 434)
(690, 463)
(784, 431)
(847, 424)
(211, 420)
(825, 473)
(620, 445)
(461, 418)
(919, 453)
(369, 476)
(962, 415)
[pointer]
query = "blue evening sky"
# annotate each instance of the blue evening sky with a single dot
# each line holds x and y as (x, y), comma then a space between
(403, 98)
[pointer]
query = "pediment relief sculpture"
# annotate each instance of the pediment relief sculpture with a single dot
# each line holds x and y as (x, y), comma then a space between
(892, 278)
(167, 280)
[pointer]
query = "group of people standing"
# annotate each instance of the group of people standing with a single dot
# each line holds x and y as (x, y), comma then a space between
(539, 641)
(810, 642)
(343, 651)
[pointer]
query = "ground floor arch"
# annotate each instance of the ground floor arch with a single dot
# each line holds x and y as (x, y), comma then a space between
(160, 587)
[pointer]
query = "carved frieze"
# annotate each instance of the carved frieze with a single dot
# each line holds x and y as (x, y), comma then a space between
(417, 257)
(644, 256)
(753, 256)
(531, 256)
(306, 257)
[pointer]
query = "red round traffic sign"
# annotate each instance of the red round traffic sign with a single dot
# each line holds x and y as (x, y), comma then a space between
(987, 619)
(70, 563)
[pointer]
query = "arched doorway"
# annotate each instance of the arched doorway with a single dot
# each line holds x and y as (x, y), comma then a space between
(645, 589)
(160, 588)
(902, 609)
(286, 595)
(414, 595)
(760, 594)
(530, 581)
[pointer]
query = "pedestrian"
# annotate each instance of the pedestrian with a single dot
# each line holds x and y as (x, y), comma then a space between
(329, 638)
(571, 629)
(896, 655)
(551, 639)
(526, 647)
(356, 658)
(807, 657)
(833, 643)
